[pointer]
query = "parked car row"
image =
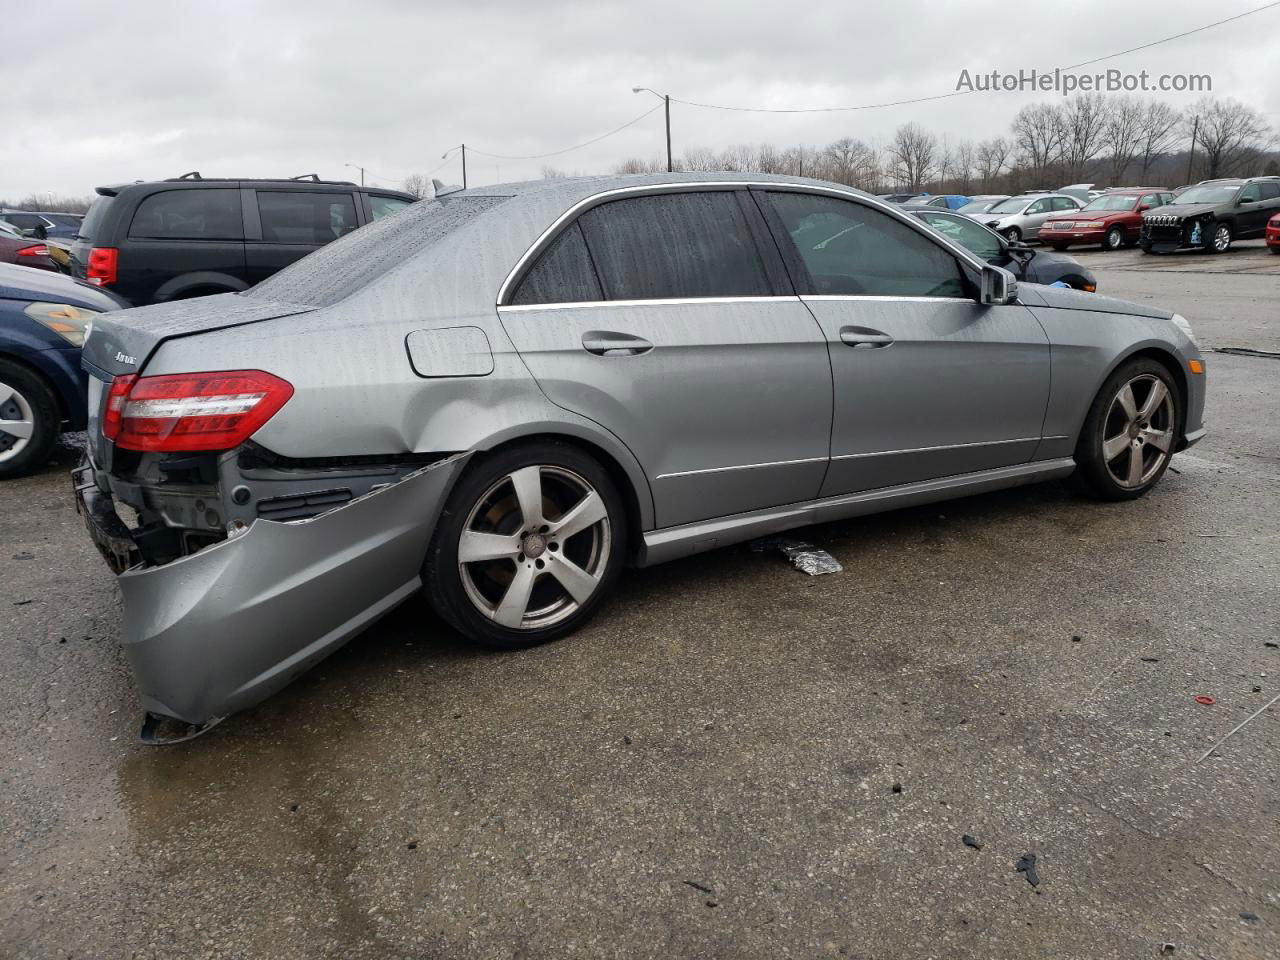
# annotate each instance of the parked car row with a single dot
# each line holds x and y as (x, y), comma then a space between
(41, 225)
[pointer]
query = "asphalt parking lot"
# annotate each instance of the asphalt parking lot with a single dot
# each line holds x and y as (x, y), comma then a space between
(734, 760)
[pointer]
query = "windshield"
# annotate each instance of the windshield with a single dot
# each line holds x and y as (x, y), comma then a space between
(1012, 205)
(1115, 201)
(348, 264)
(1208, 193)
(976, 206)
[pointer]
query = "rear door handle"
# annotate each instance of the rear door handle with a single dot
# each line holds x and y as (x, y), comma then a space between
(606, 343)
(864, 337)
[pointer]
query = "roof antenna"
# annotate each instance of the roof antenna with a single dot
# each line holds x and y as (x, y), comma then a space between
(441, 190)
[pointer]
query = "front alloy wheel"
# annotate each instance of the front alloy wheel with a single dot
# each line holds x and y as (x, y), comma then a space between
(1130, 433)
(1114, 239)
(527, 546)
(1220, 239)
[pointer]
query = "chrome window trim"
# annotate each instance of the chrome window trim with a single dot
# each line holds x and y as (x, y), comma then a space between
(886, 297)
(741, 466)
(675, 186)
(670, 301)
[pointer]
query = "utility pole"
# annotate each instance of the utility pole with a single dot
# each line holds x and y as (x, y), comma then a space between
(1195, 128)
(666, 103)
(356, 166)
(464, 166)
(666, 99)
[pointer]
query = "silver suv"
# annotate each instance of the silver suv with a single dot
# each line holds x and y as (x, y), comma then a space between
(1021, 217)
(504, 396)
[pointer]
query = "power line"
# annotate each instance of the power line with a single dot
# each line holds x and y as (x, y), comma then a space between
(959, 93)
(577, 146)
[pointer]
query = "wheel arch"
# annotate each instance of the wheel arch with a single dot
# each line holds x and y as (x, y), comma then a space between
(185, 284)
(68, 418)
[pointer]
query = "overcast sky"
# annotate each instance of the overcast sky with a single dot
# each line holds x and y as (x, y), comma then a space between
(131, 90)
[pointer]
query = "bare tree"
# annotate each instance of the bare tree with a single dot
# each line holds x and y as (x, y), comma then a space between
(1230, 134)
(50, 203)
(418, 184)
(1084, 121)
(912, 155)
(1159, 132)
(965, 159)
(1038, 133)
(993, 154)
(1122, 135)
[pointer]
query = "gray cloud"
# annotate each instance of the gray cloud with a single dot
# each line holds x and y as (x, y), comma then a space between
(155, 89)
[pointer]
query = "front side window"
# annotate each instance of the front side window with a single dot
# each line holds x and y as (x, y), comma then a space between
(973, 236)
(675, 246)
(847, 249)
(295, 216)
(385, 205)
(562, 274)
(189, 215)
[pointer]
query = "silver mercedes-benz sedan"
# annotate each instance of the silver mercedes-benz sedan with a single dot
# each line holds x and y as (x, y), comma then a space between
(503, 396)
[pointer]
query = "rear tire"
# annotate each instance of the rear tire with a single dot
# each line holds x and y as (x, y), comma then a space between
(29, 420)
(1129, 435)
(548, 530)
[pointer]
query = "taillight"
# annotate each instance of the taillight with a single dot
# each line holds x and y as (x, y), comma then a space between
(39, 250)
(101, 268)
(182, 412)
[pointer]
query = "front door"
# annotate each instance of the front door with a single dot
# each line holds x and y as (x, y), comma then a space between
(664, 319)
(928, 382)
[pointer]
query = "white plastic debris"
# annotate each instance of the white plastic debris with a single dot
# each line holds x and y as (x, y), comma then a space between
(805, 557)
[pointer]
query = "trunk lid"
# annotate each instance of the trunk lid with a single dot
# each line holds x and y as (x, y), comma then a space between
(121, 342)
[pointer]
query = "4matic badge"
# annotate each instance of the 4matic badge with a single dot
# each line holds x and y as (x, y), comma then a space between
(122, 357)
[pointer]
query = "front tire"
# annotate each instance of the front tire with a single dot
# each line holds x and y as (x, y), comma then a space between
(527, 546)
(1114, 239)
(1130, 433)
(29, 421)
(1013, 235)
(1219, 239)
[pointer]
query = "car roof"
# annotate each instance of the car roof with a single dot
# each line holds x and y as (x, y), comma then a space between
(289, 183)
(25, 283)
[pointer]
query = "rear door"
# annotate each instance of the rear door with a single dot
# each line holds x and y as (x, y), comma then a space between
(928, 382)
(666, 318)
(286, 225)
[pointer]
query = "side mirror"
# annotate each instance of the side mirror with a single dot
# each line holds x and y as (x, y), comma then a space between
(998, 286)
(1142, 207)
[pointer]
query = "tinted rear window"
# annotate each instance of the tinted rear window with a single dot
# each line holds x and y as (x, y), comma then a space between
(677, 245)
(563, 274)
(189, 215)
(338, 270)
(313, 218)
(93, 219)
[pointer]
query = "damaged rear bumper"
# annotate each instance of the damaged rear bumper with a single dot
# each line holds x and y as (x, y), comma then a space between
(219, 630)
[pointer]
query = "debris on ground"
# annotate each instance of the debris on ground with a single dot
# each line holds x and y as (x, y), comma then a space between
(1076, 638)
(22, 603)
(1149, 659)
(1205, 701)
(971, 841)
(24, 555)
(1240, 726)
(1248, 916)
(1167, 948)
(805, 557)
(896, 788)
(697, 886)
(1027, 865)
(1272, 644)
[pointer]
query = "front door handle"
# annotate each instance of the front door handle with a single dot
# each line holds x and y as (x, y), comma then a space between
(864, 337)
(606, 343)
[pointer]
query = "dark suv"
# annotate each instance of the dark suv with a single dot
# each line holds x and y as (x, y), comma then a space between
(1210, 215)
(192, 236)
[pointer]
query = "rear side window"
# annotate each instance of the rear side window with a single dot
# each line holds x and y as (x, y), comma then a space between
(382, 206)
(1270, 190)
(677, 245)
(93, 219)
(847, 249)
(189, 215)
(312, 218)
(563, 274)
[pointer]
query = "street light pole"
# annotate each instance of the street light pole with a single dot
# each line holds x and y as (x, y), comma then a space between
(463, 148)
(356, 166)
(666, 103)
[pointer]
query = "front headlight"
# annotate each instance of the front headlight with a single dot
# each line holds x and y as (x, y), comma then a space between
(70, 323)
(1180, 322)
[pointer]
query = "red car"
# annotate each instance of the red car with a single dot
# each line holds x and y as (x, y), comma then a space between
(1273, 234)
(24, 251)
(1112, 220)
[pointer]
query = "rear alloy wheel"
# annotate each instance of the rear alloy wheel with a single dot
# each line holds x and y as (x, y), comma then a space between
(1219, 238)
(1129, 435)
(29, 421)
(527, 546)
(1114, 239)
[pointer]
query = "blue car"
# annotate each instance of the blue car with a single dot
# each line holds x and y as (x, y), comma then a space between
(43, 317)
(947, 201)
(42, 226)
